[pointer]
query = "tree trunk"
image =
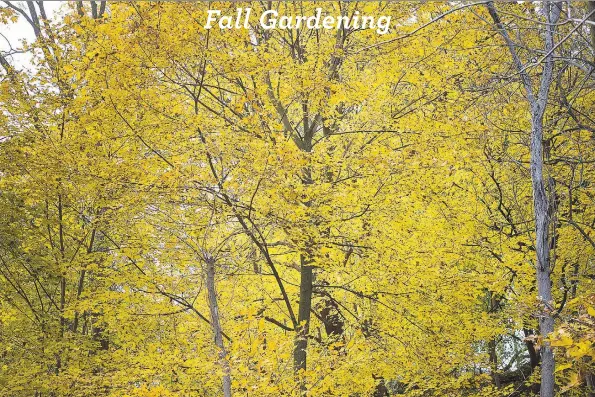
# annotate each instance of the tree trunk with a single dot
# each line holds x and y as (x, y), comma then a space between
(305, 309)
(533, 355)
(541, 207)
(216, 325)
(306, 274)
(493, 305)
(494, 363)
(542, 248)
(591, 11)
(590, 382)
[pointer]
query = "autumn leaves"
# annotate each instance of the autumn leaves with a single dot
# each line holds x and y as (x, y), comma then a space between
(290, 211)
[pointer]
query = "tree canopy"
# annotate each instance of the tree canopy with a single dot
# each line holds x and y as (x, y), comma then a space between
(298, 212)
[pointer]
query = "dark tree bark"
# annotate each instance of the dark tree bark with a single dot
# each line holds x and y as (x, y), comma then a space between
(304, 312)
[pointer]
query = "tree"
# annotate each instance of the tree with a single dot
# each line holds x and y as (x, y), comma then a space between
(269, 212)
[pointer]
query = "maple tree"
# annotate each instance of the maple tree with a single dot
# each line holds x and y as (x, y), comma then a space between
(193, 212)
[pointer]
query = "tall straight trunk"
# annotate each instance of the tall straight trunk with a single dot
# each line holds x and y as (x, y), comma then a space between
(542, 248)
(216, 325)
(305, 308)
(306, 272)
(541, 206)
(62, 282)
